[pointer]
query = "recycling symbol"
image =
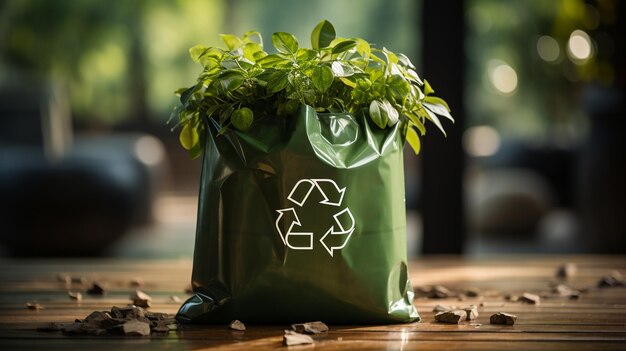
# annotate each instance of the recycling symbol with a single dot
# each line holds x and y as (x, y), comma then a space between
(339, 233)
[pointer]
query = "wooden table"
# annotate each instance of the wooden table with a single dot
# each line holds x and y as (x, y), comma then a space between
(596, 321)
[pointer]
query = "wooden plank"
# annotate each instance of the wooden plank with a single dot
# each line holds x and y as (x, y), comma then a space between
(596, 321)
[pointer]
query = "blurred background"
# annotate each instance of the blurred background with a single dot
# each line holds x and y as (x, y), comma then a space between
(534, 164)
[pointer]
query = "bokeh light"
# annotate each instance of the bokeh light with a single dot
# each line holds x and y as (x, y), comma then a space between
(502, 76)
(481, 141)
(579, 46)
(548, 48)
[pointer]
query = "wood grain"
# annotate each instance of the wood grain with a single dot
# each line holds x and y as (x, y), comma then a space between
(595, 321)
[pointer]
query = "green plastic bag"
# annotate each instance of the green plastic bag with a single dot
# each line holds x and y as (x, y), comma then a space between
(302, 219)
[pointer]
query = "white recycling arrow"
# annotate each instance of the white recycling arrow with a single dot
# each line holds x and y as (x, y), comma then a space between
(342, 233)
(299, 195)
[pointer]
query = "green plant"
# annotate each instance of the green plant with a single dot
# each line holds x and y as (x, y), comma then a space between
(243, 84)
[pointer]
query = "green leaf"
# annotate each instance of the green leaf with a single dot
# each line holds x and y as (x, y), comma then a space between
(415, 120)
(272, 61)
(304, 55)
(377, 114)
(242, 118)
(344, 46)
(363, 48)
(413, 139)
(348, 82)
(196, 150)
(427, 88)
(285, 43)
(250, 49)
(253, 36)
(342, 69)
(441, 110)
(437, 101)
(322, 35)
(231, 80)
(398, 87)
(392, 114)
(322, 78)
(197, 51)
(232, 41)
(188, 136)
(433, 118)
(277, 81)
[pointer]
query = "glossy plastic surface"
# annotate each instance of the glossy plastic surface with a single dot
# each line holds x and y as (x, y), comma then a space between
(302, 219)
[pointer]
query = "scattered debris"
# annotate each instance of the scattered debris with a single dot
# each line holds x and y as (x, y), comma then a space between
(64, 278)
(136, 283)
(96, 289)
(441, 308)
(472, 292)
(565, 291)
(136, 328)
(566, 271)
(511, 297)
(129, 320)
(141, 299)
(529, 298)
(49, 327)
(472, 312)
(451, 317)
(614, 278)
(476, 325)
(34, 306)
(434, 292)
(292, 338)
(175, 298)
(310, 327)
(161, 327)
(79, 280)
(503, 318)
(237, 325)
(76, 296)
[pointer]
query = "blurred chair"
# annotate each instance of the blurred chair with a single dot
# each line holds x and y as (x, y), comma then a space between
(65, 197)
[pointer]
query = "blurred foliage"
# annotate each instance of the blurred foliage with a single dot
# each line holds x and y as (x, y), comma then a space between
(121, 60)
(97, 48)
(544, 105)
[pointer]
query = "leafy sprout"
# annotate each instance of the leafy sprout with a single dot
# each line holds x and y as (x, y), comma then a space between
(243, 84)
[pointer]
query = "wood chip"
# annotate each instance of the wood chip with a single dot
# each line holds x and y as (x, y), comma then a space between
(75, 328)
(503, 318)
(442, 308)
(565, 291)
(76, 296)
(136, 283)
(49, 327)
(96, 289)
(237, 325)
(612, 279)
(64, 278)
(292, 338)
(136, 328)
(472, 292)
(472, 312)
(141, 299)
(529, 298)
(566, 271)
(451, 317)
(439, 292)
(511, 297)
(161, 327)
(310, 327)
(79, 280)
(175, 298)
(34, 306)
